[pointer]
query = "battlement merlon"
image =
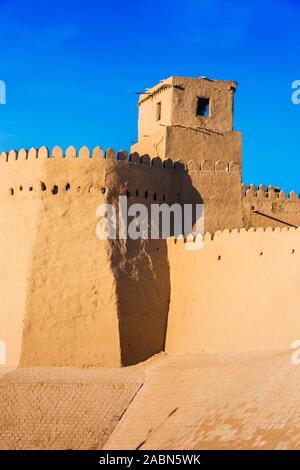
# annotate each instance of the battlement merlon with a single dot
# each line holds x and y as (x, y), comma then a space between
(197, 112)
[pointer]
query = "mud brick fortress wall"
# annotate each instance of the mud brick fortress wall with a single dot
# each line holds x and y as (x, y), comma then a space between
(240, 291)
(269, 207)
(62, 287)
(71, 299)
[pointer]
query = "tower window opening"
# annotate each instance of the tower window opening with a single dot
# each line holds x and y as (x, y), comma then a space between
(158, 111)
(202, 107)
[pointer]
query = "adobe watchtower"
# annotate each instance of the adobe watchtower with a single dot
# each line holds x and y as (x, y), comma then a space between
(189, 118)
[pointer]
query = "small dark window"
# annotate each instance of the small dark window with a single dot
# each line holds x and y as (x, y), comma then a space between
(68, 187)
(43, 186)
(55, 189)
(158, 111)
(202, 107)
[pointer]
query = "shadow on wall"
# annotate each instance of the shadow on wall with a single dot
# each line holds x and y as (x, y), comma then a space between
(141, 270)
(91, 302)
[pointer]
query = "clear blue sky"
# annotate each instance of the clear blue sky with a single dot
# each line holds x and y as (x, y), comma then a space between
(72, 68)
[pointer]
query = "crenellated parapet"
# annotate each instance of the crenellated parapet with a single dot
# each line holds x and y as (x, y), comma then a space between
(182, 241)
(120, 156)
(269, 206)
(112, 173)
(253, 192)
(84, 170)
(85, 153)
